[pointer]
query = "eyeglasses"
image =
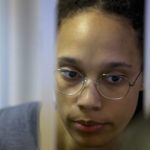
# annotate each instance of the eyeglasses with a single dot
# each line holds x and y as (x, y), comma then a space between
(111, 86)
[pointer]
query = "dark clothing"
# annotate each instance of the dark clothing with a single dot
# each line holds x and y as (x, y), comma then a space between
(18, 127)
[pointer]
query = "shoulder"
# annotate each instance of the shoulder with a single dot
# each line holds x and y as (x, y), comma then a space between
(18, 115)
(19, 110)
(18, 126)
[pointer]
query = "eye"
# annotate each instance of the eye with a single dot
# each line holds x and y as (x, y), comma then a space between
(70, 74)
(114, 79)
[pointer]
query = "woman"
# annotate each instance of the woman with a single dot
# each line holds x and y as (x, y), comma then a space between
(99, 77)
(99, 72)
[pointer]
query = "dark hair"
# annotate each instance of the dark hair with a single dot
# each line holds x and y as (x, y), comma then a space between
(132, 10)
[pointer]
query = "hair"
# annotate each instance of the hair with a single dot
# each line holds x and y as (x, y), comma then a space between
(132, 10)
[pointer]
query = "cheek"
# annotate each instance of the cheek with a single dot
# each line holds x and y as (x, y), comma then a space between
(125, 110)
(64, 105)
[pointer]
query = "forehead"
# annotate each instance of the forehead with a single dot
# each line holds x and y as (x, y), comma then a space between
(96, 19)
(98, 35)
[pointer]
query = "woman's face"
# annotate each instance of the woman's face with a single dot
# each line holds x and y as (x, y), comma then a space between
(91, 44)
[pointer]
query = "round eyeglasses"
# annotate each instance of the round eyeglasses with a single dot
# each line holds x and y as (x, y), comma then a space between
(111, 86)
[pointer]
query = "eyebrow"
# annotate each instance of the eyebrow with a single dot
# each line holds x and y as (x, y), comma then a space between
(68, 60)
(78, 62)
(119, 64)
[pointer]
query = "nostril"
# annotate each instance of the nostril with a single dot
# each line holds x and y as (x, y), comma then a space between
(88, 108)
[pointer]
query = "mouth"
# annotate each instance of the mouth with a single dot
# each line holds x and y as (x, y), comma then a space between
(88, 126)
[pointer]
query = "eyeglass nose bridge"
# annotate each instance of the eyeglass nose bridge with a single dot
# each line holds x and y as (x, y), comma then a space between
(85, 84)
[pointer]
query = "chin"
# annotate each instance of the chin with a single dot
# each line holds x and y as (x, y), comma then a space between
(93, 144)
(92, 141)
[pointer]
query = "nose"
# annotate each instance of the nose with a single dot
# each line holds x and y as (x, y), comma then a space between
(89, 99)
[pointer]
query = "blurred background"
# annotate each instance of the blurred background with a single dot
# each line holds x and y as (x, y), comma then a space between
(26, 33)
(147, 60)
(19, 51)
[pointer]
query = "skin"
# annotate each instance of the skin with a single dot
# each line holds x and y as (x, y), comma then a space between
(95, 41)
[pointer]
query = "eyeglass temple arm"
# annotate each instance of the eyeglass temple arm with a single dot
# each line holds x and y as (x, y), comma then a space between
(132, 84)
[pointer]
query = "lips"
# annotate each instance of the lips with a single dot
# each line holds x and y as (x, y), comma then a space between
(88, 123)
(88, 126)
